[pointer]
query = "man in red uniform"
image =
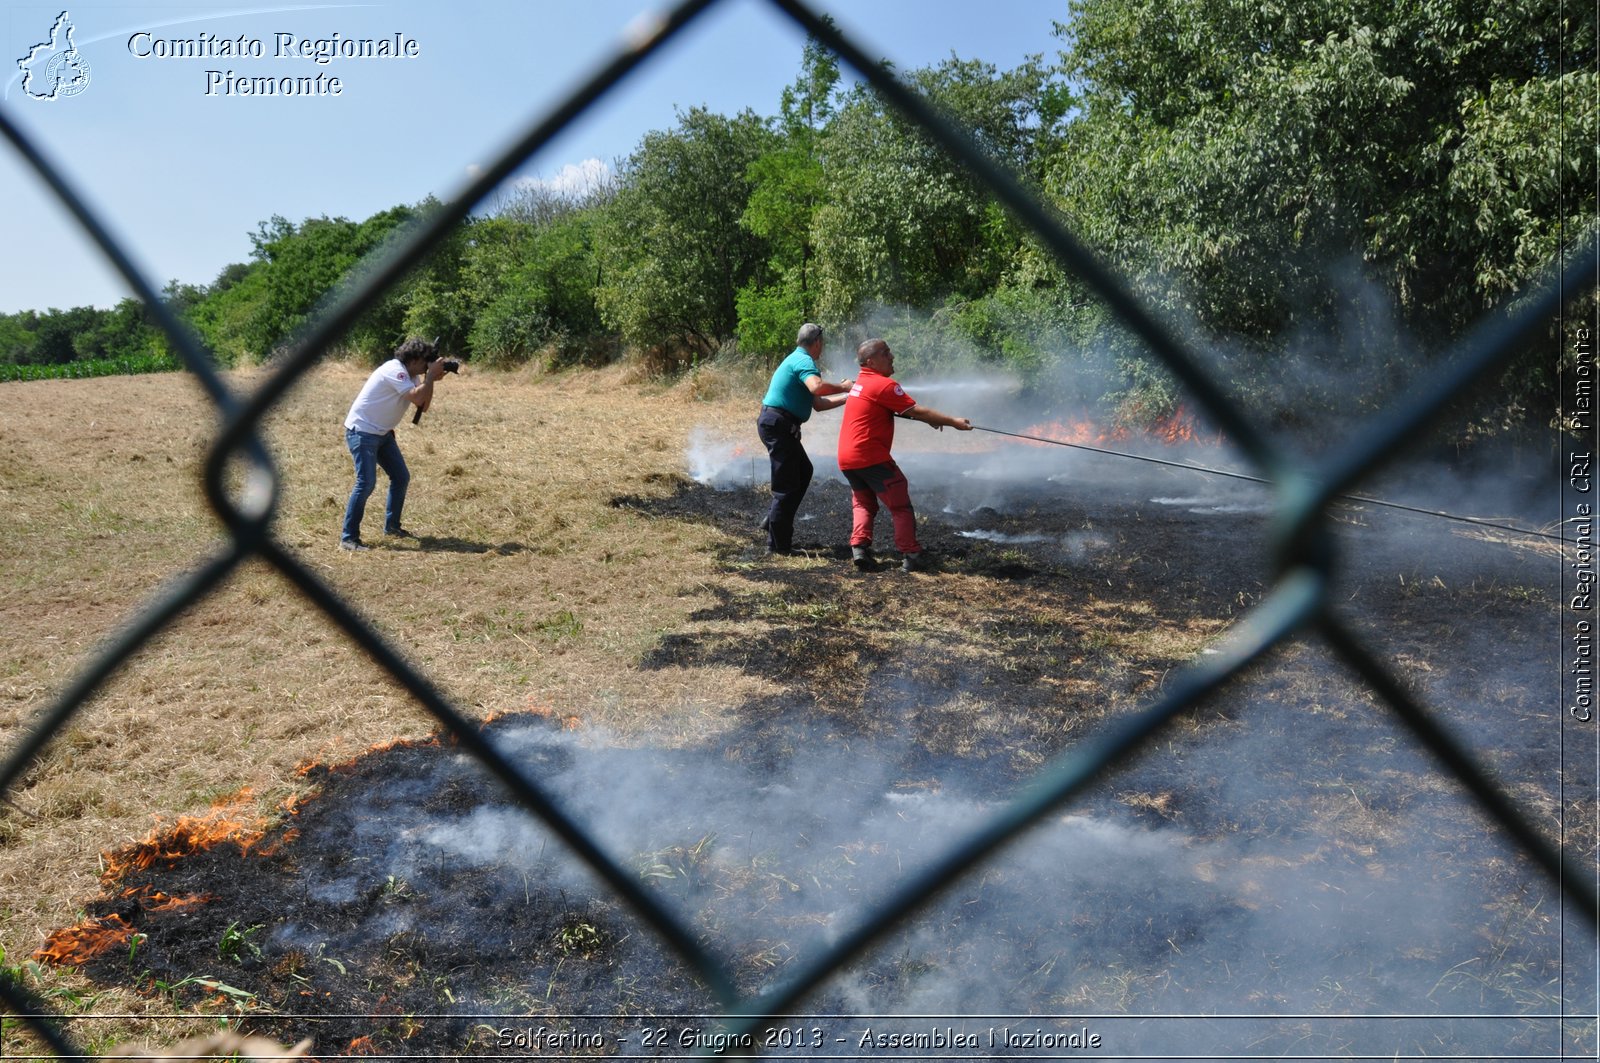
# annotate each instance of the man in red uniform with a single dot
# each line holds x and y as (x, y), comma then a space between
(865, 437)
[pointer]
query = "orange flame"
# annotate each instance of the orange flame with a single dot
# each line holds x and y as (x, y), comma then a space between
(533, 707)
(361, 1046)
(162, 902)
(537, 709)
(187, 836)
(1178, 427)
(568, 721)
(306, 767)
(288, 837)
(155, 901)
(76, 945)
(1083, 432)
(165, 845)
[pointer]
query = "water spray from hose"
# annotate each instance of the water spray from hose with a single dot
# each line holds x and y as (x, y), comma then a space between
(1476, 521)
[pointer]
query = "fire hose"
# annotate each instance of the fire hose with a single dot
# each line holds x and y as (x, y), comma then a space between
(1368, 500)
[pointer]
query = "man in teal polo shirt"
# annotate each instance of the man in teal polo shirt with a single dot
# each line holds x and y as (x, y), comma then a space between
(797, 388)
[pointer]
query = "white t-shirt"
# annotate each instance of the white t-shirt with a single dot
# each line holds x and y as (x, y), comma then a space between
(384, 399)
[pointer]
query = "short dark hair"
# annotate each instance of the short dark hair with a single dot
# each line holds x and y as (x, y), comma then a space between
(869, 348)
(412, 349)
(809, 334)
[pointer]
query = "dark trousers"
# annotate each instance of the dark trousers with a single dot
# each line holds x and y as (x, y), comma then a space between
(791, 474)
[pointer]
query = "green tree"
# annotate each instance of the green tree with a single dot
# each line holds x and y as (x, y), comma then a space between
(124, 331)
(224, 312)
(529, 273)
(307, 266)
(900, 221)
(429, 301)
(531, 286)
(786, 188)
(304, 266)
(18, 333)
(676, 254)
(1240, 156)
(57, 333)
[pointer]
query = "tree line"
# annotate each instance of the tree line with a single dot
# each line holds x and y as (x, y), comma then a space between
(1350, 183)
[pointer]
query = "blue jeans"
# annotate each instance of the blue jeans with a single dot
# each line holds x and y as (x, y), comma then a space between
(370, 452)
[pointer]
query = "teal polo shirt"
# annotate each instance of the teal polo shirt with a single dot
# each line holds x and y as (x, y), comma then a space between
(788, 391)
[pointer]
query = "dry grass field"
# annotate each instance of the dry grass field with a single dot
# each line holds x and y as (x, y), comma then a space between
(567, 567)
(532, 591)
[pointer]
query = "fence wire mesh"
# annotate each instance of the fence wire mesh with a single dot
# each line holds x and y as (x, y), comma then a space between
(1298, 604)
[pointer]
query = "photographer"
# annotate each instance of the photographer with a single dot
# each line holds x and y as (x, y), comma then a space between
(403, 382)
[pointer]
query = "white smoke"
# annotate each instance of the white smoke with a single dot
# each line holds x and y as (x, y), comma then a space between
(814, 844)
(725, 461)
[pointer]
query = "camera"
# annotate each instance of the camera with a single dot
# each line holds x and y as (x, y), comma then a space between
(447, 365)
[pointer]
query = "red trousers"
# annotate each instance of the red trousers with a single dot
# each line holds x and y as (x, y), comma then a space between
(885, 483)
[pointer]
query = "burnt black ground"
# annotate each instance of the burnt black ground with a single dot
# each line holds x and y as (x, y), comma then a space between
(1471, 624)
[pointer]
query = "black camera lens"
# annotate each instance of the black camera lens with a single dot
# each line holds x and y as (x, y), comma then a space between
(451, 367)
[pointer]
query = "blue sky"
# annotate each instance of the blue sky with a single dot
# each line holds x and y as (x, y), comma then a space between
(184, 176)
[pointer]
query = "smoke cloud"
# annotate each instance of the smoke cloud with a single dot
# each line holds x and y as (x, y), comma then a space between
(1093, 912)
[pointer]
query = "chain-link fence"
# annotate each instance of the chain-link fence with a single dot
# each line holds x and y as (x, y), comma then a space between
(1298, 603)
